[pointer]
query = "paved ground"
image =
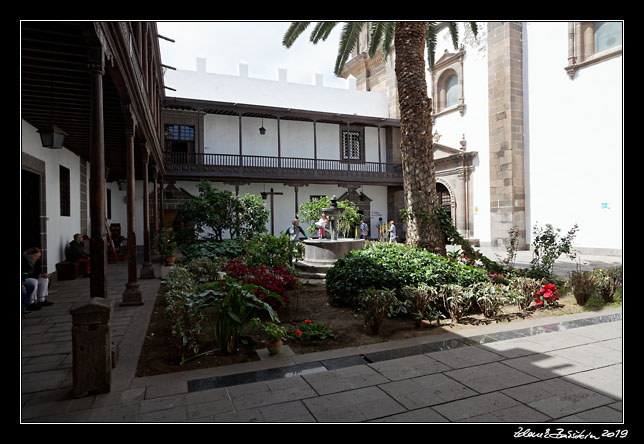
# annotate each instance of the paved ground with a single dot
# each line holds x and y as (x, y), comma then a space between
(562, 369)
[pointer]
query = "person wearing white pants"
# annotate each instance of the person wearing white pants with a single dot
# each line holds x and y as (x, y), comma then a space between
(31, 273)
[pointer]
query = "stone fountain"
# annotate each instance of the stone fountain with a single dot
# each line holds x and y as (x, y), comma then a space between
(321, 254)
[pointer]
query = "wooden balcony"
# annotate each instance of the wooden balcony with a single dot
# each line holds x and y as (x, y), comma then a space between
(194, 166)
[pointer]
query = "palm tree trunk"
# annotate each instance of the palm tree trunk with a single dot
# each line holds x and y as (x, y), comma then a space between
(419, 179)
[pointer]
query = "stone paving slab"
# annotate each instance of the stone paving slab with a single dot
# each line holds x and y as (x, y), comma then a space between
(426, 391)
(357, 405)
(490, 377)
(558, 397)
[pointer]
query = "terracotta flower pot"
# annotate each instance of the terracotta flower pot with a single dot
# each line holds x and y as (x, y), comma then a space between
(169, 260)
(275, 346)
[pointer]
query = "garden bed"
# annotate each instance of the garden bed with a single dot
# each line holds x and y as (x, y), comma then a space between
(160, 354)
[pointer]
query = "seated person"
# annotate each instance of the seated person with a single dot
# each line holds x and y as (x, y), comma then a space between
(76, 253)
(31, 274)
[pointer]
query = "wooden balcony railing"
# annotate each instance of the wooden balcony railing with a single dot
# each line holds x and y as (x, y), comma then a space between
(280, 168)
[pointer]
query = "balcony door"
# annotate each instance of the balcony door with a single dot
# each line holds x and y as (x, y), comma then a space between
(180, 142)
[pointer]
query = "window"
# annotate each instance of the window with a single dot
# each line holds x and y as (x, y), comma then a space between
(447, 83)
(352, 143)
(607, 35)
(64, 192)
(592, 42)
(451, 92)
(179, 138)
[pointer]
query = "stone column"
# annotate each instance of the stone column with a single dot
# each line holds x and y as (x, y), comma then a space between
(506, 125)
(132, 294)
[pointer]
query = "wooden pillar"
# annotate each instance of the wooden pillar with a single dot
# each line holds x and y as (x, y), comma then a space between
(155, 220)
(147, 270)
(132, 294)
(98, 238)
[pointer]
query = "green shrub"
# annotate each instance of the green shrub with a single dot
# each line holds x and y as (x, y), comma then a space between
(182, 309)
(583, 285)
(352, 274)
(376, 305)
(423, 302)
(522, 291)
(608, 281)
(393, 266)
(490, 297)
(457, 300)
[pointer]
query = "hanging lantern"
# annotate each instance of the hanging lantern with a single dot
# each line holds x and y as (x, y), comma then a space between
(51, 136)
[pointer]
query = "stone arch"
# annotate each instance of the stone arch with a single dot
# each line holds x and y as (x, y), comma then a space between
(452, 194)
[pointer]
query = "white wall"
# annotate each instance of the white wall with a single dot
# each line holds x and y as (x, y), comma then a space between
(473, 124)
(221, 136)
(574, 139)
(60, 229)
(203, 85)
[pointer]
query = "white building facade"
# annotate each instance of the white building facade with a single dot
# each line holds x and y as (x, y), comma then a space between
(541, 104)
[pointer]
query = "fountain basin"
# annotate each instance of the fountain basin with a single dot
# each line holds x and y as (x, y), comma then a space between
(321, 254)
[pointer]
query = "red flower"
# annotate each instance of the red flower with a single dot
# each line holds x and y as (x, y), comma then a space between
(299, 332)
(308, 321)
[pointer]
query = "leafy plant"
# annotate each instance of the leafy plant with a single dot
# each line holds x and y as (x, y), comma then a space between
(234, 304)
(272, 330)
(422, 300)
(167, 244)
(490, 297)
(376, 305)
(216, 211)
(523, 290)
(311, 331)
(549, 246)
(583, 284)
(182, 308)
(352, 274)
(608, 281)
(456, 300)
(511, 248)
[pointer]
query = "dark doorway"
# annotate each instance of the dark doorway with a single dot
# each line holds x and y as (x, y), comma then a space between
(444, 198)
(30, 211)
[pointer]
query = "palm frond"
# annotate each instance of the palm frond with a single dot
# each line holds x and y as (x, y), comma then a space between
(388, 38)
(293, 32)
(453, 30)
(348, 40)
(430, 42)
(375, 35)
(322, 31)
(474, 28)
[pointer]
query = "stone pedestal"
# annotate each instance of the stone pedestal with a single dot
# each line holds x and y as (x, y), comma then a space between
(91, 346)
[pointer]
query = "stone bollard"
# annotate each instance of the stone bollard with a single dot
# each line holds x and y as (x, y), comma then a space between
(91, 346)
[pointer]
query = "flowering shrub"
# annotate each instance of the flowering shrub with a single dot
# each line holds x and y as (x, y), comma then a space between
(311, 331)
(276, 279)
(546, 296)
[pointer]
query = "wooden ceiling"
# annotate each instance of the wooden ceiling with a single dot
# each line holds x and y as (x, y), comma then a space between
(55, 84)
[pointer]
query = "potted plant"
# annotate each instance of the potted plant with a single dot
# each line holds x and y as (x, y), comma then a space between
(275, 333)
(167, 246)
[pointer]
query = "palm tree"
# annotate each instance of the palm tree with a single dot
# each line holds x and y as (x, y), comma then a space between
(410, 40)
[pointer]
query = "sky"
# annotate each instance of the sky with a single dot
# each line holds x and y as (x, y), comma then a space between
(225, 43)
